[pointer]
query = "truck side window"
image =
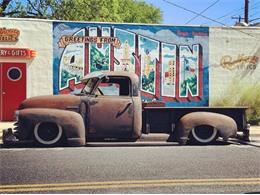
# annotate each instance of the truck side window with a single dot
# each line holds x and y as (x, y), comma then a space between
(119, 86)
(109, 88)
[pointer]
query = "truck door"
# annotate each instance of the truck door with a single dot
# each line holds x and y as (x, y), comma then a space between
(111, 109)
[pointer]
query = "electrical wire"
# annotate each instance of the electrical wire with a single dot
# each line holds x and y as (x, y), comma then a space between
(202, 12)
(206, 17)
(253, 8)
(235, 11)
(229, 13)
(254, 14)
(254, 5)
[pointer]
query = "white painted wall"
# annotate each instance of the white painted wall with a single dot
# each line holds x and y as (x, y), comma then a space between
(229, 85)
(35, 35)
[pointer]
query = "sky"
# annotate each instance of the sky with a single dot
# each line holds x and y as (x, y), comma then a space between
(219, 10)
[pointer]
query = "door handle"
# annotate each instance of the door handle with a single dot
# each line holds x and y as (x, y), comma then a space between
(3, 93)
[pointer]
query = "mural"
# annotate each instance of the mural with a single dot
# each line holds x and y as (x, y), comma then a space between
(149, 51)
(171, 61)
(72, 62)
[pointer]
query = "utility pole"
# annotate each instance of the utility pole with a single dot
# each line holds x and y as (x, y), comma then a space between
(237, 17)
(246, 12)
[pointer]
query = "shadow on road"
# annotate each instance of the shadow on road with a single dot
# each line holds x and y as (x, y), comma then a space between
(137, 144)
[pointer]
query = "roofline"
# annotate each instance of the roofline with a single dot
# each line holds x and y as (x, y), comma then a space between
(134, 24)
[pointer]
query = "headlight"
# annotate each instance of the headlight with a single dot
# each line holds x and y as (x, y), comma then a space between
(16, 115)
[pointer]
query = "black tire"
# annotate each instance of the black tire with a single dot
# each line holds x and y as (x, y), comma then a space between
(48, 134)
(203, 134)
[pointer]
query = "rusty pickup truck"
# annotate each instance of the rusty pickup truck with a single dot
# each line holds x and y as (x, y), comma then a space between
(109, 107)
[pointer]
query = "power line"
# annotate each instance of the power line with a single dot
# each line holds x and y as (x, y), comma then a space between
(202, 11)
(254, 5)
(238, 12)
(226, 15)
(229, 13)
(191, 11)
(255, 13)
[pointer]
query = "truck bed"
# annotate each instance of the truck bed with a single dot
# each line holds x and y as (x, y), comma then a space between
(164, 119)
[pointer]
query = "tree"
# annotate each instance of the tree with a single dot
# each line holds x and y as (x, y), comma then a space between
(130, 11)
(7, 8)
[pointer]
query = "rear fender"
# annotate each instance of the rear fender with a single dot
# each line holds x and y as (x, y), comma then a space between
(71, 122)
(225, 125)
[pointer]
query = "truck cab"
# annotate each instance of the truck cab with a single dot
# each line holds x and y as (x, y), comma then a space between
(108, 107)
(113, 105)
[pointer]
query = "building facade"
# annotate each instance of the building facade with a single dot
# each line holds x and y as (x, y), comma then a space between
(179, 65)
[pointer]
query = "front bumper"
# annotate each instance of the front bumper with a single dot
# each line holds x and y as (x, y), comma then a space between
(11, 138)
(245, 136)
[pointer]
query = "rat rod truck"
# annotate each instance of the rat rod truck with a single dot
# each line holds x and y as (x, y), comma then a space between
(109, 107)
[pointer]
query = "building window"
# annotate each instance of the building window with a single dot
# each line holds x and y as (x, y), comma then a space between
(14, 74)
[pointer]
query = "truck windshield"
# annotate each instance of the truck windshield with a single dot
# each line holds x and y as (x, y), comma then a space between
(89, 85)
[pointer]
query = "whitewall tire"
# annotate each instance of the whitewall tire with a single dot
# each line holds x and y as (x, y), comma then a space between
(204, 134)
(47, 134)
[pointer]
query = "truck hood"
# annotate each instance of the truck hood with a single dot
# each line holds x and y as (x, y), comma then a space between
(51, 101)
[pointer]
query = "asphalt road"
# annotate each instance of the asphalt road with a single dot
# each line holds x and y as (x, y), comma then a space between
(230, 168)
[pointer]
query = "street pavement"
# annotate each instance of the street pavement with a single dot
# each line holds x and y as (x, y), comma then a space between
(221, 168)
(230, 168)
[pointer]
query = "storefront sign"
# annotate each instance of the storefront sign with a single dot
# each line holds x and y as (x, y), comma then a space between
(9, 34)
(241, 62)
(17, 53)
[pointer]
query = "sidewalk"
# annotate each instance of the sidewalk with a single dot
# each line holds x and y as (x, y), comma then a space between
(254, 130)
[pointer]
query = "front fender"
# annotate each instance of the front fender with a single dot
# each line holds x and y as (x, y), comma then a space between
(71, 122)
(225, 125)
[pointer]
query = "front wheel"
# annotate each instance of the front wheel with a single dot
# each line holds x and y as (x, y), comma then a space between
(48, 134)
(203, 134)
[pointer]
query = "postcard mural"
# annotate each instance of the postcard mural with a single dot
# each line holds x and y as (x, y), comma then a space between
(171, 61)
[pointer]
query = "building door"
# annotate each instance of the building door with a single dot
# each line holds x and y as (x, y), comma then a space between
(13, 88)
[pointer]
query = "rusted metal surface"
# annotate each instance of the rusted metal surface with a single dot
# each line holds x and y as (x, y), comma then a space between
(137, 121)
(71, 123)
(110, 114)
(51, 101)
(225, 125)
(118, 116)
(92, 114)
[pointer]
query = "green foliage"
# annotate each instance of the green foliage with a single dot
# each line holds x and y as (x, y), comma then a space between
(130, 11)
(27, 8)
(138, 12)
(240, 94)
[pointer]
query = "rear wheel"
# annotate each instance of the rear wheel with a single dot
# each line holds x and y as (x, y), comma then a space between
(203, 134)
(48, 134)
